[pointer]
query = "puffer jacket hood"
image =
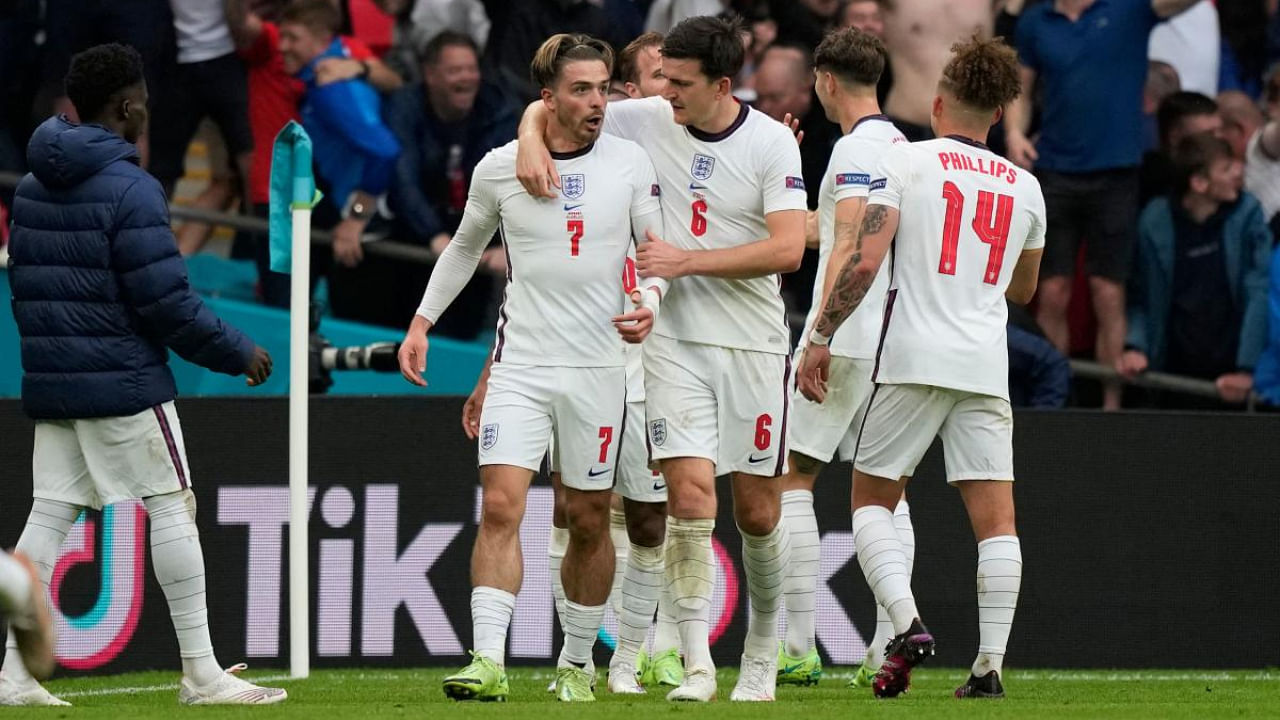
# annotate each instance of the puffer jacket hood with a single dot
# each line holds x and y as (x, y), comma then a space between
(62, 154)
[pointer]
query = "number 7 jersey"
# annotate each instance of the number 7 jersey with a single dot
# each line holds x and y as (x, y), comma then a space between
(967, 215)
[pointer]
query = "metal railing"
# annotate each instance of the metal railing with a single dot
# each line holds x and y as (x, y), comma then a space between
(1157, 381)
(415, 253)
(372, 244)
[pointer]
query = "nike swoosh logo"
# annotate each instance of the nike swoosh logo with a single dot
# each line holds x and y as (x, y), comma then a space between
(659, 486)
(593, 473)
(696, 186)
(788, 669)
(753, 459)
(569, 207)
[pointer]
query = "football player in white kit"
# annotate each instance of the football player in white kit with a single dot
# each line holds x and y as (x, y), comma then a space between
(637, 517)
(847, 66)
(718, 366)
(966, 229)
(558, 368)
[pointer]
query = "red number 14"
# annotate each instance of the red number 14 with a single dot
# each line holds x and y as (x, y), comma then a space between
(991, 223)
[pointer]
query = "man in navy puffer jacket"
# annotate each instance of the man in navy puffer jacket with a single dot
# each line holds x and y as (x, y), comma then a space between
(99, 292)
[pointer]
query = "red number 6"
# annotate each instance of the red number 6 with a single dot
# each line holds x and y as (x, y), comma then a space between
(763, 436)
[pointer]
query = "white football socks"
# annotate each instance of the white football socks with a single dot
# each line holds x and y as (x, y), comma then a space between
(800, 585)
(621, 543)
(884, 626)
(691, 574)
(491, 610)
(41, 539)
(764, 559)
(581, 626)
(999, 580)
(666, 633)
(557, 546)
(640, 591)
(884, 564)
(179, 567)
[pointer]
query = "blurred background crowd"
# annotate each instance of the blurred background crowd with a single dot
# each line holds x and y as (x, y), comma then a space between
(1156, 140)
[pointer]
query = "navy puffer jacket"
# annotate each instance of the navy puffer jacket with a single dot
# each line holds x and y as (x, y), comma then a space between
(99, 288)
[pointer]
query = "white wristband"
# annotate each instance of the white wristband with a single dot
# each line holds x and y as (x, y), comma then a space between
(651, 299)
(817, 338)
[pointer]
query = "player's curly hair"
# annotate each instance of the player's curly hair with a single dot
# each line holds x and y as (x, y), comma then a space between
(982, 73)
(98, 73)
(561, 49)
(852, 55)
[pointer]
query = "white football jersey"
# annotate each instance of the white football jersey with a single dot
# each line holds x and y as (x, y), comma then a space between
(717, 190)
(966, 216)
(851, 172)
(565, 257)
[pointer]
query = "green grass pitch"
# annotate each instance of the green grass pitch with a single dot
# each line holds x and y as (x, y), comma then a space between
(415, 693)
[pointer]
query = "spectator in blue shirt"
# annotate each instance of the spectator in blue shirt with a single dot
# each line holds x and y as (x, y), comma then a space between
(1197, 301)
(446, 124)
(355, 152)
(1090, 58)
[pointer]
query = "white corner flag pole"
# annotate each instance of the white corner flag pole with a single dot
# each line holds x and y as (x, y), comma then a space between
(299, 388)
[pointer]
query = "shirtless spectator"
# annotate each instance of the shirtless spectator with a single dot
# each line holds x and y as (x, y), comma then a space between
(919, 35)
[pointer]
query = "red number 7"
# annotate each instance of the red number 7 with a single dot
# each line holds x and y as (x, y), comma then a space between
(575, 227)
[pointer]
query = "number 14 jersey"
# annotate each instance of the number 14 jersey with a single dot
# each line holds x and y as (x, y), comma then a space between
(966, 216)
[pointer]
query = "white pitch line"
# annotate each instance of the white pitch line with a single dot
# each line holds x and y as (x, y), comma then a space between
(1098, 676)
(153, 688)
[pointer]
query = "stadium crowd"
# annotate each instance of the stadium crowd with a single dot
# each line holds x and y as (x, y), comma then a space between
(1157, 143)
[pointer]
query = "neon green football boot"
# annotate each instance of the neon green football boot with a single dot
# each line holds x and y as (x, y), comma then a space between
(862, 678)
(805, 670)
(482, 680)
(665, 668)
(573, 684)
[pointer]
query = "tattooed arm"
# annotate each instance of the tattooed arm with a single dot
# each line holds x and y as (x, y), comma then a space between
(879, 224)
(848, 219)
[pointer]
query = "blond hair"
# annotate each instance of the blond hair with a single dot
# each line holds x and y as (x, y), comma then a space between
(563, 48)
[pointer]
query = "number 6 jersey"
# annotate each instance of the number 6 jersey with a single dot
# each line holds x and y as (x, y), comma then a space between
(565, 257)
(716, 191)
(966, 216)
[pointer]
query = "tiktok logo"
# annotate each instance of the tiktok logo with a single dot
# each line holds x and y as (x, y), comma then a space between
(96, 637)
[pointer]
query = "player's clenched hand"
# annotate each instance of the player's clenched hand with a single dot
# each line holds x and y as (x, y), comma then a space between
(471, 410)
(815, 364)
(634, 326)
(658, 259)
(259, 367)
(536, 171)
(413, 357)
(793, 124)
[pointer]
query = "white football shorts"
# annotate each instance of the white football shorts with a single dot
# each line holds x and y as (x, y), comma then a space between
(729, 406)
(94, 462)
(902, 420)
(819, 430)
(635, 480)
(578, 412)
